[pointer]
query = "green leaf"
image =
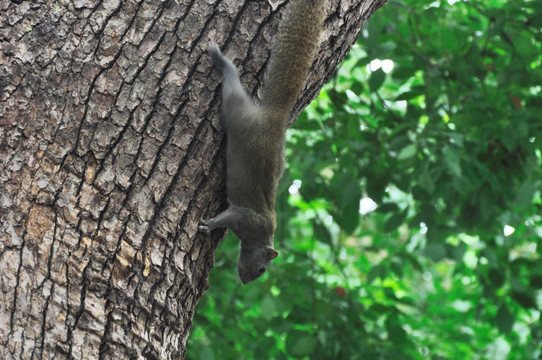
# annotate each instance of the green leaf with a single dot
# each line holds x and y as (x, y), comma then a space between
(407, 152)
(322, 233)
(412, 93)
(452, 160)
(387, 208)
(350, 216)
(352, 126)
(536, 281)
(376, 80)
(348, 187)
(395, 331)
(378, 271)
(435, 252)
(505, 319)
(357, 87)
(394, 221)
(524, 299)
(455, 252)
(268, 308)
(300, 343)
(207, 353)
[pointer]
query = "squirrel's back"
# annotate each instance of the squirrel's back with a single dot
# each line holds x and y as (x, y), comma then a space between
(291, 57)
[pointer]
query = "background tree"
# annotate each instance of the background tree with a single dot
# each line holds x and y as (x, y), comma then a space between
(110, 150)
(410, 213)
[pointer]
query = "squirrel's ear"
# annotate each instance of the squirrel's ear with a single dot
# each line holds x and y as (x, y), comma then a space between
(272, 253)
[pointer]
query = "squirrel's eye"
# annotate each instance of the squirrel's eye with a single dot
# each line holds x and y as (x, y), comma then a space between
(261, 270)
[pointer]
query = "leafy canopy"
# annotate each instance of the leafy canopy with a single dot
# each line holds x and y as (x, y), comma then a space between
(410, 214)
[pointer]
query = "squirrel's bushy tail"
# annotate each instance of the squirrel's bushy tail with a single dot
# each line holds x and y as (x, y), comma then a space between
(293, 52)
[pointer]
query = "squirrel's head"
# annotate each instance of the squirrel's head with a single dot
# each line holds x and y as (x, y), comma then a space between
(253, 262)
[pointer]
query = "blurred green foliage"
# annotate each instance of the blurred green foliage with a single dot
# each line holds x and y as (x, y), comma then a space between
(410, 214)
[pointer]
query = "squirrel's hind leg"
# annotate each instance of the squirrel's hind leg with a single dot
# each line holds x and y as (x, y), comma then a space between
(231, 84)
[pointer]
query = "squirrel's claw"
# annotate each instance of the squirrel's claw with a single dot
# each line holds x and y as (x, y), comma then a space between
(203, 226)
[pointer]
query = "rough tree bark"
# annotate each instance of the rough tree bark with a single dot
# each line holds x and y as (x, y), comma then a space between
(110, 153)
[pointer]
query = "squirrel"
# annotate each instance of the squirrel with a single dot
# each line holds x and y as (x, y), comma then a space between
(256, 135)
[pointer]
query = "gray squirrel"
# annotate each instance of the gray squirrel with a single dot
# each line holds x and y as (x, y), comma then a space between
(256, 135)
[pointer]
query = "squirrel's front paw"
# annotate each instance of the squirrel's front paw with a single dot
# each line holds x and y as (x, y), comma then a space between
(204, 226)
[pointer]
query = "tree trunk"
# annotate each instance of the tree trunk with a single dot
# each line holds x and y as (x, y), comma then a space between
(110, 153)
